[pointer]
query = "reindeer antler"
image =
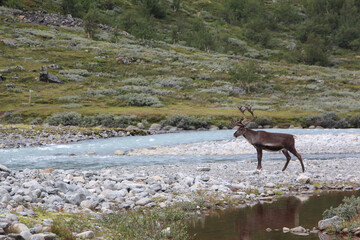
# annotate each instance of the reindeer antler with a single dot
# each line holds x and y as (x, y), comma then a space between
(246, 121)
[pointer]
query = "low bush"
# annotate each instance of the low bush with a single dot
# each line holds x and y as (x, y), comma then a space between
(12, 118)
(355, 121)
(326, 120)
(264, 121)
(148, 224)
(101, 92)
(36, 121)
(71, 106)
(69, 99)
(140, 99)
(108, 120)
(65, 118)
(187, 122)
(347, 210)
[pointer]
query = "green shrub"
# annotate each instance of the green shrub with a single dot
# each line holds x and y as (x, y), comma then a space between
(71, 106)
(355, 121)
(141, 99)
(187, 122)
(108, 120)
(246, 75)
(347, 210)
(148, 224)
(13, 118)
(69, 99)
(264, 121)
(65, 118)
(36, 121)
(326, 120)
(157, 8)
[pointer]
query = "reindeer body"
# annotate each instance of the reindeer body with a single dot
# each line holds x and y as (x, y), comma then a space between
(262, 140)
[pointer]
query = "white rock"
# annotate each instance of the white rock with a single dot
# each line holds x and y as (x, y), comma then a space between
(119, 152)
(303, 179)
(19, 227)
(86, 235)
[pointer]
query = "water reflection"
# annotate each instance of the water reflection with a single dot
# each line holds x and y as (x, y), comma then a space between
(250, 223)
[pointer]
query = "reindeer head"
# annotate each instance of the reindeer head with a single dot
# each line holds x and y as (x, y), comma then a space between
(242, 125)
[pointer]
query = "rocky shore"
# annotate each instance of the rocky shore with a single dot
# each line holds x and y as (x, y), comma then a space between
(16, 136)
(111, 190)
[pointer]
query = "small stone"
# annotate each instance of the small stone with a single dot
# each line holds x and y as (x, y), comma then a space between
(298, 229)
(36, 229)
(18, 228)
(286, 230)
(47, 170)
(37, 237)
(26, 235)
(203, 169)
(48, 222)
(268, 229)
(303, 179)
(119, 152)
(86, 235)
(155, 127)
(143, 201)
(87, 204)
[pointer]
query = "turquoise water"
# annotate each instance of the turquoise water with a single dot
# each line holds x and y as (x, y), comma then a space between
(95, 154)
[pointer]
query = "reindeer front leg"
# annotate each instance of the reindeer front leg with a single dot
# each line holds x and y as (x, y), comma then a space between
(259, 156)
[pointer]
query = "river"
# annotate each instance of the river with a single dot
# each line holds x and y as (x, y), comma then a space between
(96, 154)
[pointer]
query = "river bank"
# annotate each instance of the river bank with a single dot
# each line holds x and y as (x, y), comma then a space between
(16, 136)
(194, 186)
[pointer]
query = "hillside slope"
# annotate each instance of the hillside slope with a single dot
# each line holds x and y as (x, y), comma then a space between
(154, 79)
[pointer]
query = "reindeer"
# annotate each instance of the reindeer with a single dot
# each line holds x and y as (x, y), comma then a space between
(262, 140)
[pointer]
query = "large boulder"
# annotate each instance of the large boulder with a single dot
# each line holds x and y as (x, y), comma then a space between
(47, 77)
(333, 222)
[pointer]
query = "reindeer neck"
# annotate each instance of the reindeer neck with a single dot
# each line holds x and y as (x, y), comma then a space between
(249, 134)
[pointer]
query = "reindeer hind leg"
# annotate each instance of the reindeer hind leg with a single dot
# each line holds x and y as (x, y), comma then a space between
(293, 151)
(288, 158)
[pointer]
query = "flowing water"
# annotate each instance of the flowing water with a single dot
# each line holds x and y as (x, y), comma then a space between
(250, 223)
(95, 154)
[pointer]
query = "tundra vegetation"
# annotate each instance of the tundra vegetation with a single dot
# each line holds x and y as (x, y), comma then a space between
(349, 214)
(293, 61)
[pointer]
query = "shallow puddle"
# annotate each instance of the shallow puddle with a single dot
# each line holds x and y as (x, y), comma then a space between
(250, 223)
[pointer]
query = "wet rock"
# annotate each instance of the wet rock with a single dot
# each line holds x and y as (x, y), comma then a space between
(298, 229)
(119, 152)
(286, 230)
(4, 169)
